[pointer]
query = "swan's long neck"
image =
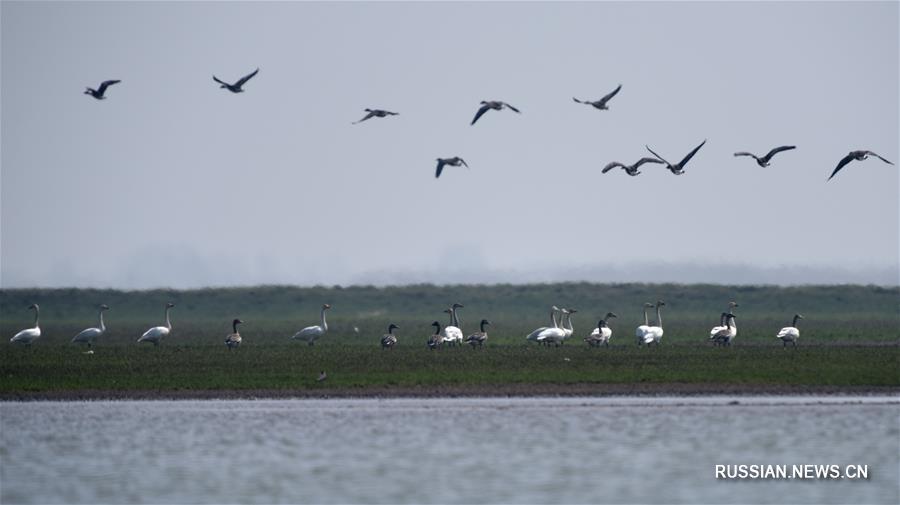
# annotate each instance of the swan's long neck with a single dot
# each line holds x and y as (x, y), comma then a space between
(324, 323)
(37, 314)
(646, 319)
(658, 317)
(168, 321)
(553, 319)
(102, 326)
(569, 322)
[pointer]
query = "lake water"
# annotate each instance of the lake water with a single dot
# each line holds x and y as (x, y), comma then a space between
(489, 450)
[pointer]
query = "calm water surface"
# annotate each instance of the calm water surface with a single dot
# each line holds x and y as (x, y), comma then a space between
(524, 450)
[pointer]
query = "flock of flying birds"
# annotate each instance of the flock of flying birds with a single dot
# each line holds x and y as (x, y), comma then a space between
(601, 104)
(651, 332)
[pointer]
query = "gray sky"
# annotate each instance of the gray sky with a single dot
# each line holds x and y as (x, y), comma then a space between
(172, 181)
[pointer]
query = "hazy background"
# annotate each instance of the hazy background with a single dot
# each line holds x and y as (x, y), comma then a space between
(174, 182)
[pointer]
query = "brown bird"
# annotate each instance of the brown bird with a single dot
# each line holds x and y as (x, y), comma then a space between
(496, 105)
(376, 113)
(679, 168)
(631, 170)
(236, 87)
(98, 93)
(764, 161)
(855, 155)
(601, 103)
(453, 162)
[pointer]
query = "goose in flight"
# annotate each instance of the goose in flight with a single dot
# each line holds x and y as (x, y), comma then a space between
(389, 340)
(236, 87)
(234, 339)
(312, 333)
(453, 162)
(29, 335)
(376, 113)
(764, 161)
(790, 333)
(87, 336)
(155, 334)
(477, 339)
(98, 93)
(631, 170)
(679, 168)
(494, 104)
(601, 333)
(858, 156)
(601, 103)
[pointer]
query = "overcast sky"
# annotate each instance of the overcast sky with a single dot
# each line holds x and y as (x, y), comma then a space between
(174, 182)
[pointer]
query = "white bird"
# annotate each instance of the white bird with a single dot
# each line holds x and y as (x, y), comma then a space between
(601, 333)
(655, 333)
(312, 333)
(389, 340)
(87, 336)
(641, 332)
(452, 334)
(790, 333)
(156, 334)
(478, 338)
(534, 334)
(726, 332)
(567, 322)
(234, 339)
(29, 335)
(723, 326)
(436, 339)
(554, 335)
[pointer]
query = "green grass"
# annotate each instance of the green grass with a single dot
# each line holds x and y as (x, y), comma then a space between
(294, 367)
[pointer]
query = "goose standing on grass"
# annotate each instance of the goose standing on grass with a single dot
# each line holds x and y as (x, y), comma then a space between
(602, 333)
(436, 339)
(726, 332)
(679, 168)
(312, 333)
(790, 333)
(453, 162)
(764, 161)
(376, 113)
(642, 330)
(87, 336)
(477, 339)
(601, 103)
(495, 105)
(234, 339)
(155, 335)
(29, 335)
(722, 323)
(99, 92)
(858, 156)
(389, 340)
(236, 87)
(452, 334)
(631, 170)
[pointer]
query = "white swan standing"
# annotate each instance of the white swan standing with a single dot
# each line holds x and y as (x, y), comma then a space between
(533, 335)
(790, 333)
(29, 335)
(477, 339)
(389, 340)
(154, 335)
(602, 333)
(234, 339)
(641, 332)
(567, 322)
(554, 335)
(312, 333)
(655, 333)
(87, 336)
(726, 332)
(723, 326)
(452, 334)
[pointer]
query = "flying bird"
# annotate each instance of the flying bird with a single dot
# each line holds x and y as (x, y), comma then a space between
(631, 170)
(98, 93)
(855, 155)
(601, 103)
(679, 168)
(453, 162)
(376, 113)
(494, 104)
(236, 87)
(764, 161)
